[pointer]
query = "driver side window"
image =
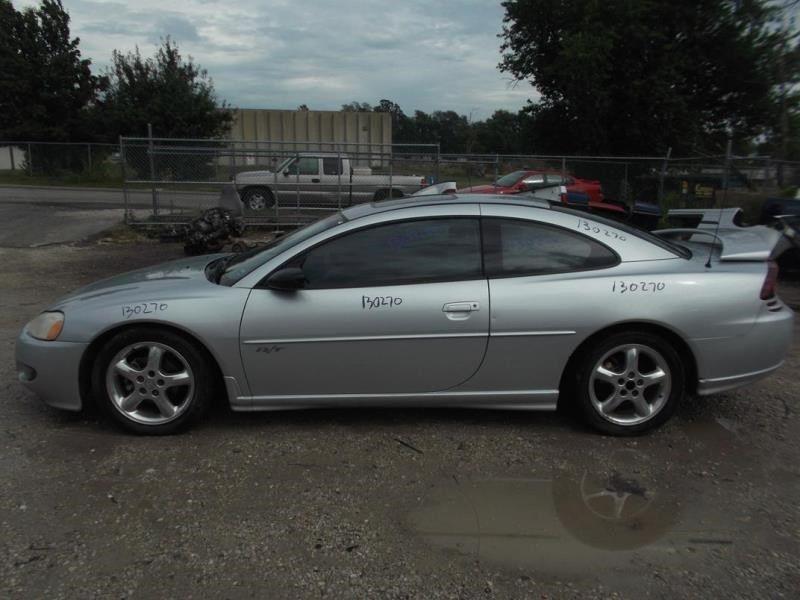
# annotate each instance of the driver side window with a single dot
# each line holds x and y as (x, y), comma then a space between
(305, 165)
(407, 252)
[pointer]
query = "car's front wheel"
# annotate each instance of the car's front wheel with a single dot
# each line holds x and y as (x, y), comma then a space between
(152, 381)
(629, 383)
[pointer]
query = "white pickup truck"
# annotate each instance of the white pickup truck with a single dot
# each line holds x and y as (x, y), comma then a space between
(317, 178)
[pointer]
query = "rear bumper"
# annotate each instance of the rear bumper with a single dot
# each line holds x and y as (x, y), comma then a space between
(721, 384)
(725, 364)
(50, 370)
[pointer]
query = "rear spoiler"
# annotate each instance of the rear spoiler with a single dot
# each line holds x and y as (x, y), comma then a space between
(737, 243)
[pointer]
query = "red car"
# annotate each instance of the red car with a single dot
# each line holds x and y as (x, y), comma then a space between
(516, 182)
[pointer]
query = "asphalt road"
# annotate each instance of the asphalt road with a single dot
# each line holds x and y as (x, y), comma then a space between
(388, 503)
(106, 197)
(36, 216)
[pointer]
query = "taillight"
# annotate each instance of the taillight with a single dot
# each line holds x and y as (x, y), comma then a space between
(771, 282)
(423, 182)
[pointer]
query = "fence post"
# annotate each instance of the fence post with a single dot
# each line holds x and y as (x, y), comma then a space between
(152, 168)
(11, 157)
(662, 175)
(496, 170)
(276, 196)
(30, 160)
(124, 180)
(564, 168)
(391, 191)
(89, 154)
(297, 178)
(436, 166)
(339, 178)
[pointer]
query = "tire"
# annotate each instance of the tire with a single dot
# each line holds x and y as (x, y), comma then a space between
(257, 199)
(628, 383)
(152, 381)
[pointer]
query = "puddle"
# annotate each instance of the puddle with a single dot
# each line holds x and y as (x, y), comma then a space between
(599, 517)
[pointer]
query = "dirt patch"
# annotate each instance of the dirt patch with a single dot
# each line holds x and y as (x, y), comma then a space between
(332, 504)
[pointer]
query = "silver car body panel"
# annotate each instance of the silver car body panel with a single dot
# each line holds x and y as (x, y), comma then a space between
(505, 347)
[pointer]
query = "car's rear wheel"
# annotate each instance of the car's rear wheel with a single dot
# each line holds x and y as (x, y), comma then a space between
(629, 383)
(152, 381)
(257, 199)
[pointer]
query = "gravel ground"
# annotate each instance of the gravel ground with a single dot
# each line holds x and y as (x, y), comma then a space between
(387, 503)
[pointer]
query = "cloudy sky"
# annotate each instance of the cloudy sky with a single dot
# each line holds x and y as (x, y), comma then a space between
(423, 54)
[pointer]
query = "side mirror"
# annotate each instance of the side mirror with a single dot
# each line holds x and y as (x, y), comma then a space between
(286, 172)
(287, 279)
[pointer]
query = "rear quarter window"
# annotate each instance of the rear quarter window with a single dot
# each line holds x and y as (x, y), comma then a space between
(514, 247)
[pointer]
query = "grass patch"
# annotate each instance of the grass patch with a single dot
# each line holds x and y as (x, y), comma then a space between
(103, 176)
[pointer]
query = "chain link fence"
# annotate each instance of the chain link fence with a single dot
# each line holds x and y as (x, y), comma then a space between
(60, 162)
(289, 183)
(284, 183)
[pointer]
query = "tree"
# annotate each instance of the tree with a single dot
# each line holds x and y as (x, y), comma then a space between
(46, 87)
(174, 95)
(638, 77)
(402, 130)
(502, 133)
(357, 107)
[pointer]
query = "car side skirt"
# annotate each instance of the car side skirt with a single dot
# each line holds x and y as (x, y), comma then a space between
(544, 400)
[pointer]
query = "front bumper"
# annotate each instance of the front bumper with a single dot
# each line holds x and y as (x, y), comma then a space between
(50, 370)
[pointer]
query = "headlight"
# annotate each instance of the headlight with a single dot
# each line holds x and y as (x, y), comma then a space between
(47, 326)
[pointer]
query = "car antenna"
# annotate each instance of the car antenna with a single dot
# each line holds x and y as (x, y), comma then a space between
(725, 176)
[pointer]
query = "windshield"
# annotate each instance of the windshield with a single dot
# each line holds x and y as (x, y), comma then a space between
(283, 164)
(510, 179)
(240, 265)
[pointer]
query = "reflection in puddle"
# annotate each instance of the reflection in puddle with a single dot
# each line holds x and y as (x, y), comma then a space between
(564, 523)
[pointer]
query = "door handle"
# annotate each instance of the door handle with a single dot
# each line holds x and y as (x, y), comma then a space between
(315, 180)
(461, 307)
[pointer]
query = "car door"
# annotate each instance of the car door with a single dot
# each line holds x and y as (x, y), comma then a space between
(301, 183)
(393, 308)
(334, 181)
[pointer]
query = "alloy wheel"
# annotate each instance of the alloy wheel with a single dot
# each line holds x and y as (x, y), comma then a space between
(630, 384)
(150, 383)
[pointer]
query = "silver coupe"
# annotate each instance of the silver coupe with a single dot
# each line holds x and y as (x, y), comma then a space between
(469, 301)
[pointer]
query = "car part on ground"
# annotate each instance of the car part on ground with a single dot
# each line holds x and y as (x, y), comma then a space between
(211, 231)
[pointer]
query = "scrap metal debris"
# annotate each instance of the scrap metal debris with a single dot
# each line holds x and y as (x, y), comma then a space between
(211, 231)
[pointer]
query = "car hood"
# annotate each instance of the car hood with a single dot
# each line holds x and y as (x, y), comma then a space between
(173, 274)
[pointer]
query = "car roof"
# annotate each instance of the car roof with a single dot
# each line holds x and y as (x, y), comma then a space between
(321, 154)
(363, 210)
